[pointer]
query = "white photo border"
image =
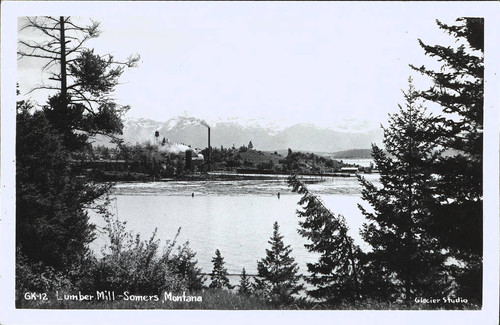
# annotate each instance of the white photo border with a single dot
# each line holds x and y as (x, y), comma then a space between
(11, 10)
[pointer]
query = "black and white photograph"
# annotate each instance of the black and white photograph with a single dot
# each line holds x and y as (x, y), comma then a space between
(242, 162)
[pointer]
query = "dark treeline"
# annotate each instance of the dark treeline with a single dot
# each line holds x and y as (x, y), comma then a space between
(423, 225)
(131, 162)
(147, 161)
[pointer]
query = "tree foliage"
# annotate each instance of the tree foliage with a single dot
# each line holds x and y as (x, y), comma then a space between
(335, 274)
(129, 263)
(459, 89)
(278, 273)
(396, 229)
(82, 80)
(245, 286)
(219, 273)
(52, 224)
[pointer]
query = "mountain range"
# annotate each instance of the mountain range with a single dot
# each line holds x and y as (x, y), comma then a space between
(265, 137)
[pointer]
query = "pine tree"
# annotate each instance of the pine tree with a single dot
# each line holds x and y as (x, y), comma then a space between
(245, 286)
(278, 272)
(52, 225)
(458, 209)
(82, 80)
(397, 227)
(219, 273)
(335, 275)
(52, 222)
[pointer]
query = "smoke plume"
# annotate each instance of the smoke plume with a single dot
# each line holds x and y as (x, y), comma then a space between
(195, 120)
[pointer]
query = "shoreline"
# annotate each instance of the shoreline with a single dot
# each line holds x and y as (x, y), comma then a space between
(223, 175)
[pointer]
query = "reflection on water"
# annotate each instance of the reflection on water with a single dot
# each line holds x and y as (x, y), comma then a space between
(235, 217)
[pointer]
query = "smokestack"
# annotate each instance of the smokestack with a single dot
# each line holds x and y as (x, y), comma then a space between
(209, 149)
(189, 160)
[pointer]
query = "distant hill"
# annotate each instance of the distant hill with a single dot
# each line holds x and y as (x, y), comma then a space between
(284, 152)
(251, 160)
(257, 157)
(352, 154)
(367, 154)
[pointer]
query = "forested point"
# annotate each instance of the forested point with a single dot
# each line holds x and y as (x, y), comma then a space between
(424, 224)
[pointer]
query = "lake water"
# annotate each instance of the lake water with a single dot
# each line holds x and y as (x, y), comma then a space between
(235, 217)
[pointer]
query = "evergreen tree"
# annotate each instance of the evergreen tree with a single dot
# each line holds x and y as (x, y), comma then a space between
(245, 286)
(185, 266)
(458, 209)
(250, 145)
(335, 275)
(81, 79)
(397, 227)
(219, 273)
(52, 225)
(278, 278)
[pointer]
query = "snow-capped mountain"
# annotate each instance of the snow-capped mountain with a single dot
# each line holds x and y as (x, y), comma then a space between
(139, 129)
(264, 135)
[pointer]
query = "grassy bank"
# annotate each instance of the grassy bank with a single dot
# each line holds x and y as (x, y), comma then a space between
(226, 300)
(210, 299)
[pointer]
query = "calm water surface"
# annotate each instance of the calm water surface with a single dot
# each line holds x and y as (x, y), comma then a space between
(235, 217)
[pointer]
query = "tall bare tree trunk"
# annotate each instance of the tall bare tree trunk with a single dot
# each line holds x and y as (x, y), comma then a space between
(64, 89)
(354, 274)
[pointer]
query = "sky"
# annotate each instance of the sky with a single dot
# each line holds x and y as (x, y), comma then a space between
(328, 64)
